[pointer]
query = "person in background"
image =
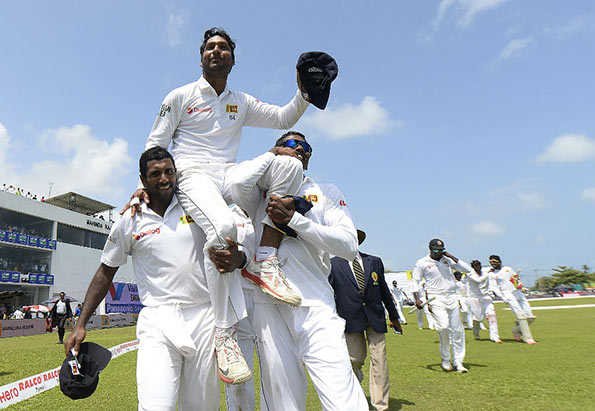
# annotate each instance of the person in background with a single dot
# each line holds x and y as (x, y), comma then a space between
(60, 312)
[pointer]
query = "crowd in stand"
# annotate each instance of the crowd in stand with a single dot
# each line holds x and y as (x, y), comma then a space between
(19, 230)
(12, 264)
(20, 192)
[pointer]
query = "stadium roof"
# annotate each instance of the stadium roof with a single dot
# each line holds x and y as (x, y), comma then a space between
(79, 203)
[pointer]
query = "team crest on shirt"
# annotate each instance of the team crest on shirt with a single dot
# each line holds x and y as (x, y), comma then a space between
(313, 198)
(186, 219)
(231, 108)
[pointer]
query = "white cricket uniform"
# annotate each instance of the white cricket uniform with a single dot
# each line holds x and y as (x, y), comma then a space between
(481, 303)
(241, 396)
(464, 301)
(176, 327)
(440, 283)
(311, 335)
(425, 311)
(204, 130)
(516, 300)
(398, 299)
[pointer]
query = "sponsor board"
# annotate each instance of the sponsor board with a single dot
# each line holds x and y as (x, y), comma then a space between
(19, 328)
(123, 298)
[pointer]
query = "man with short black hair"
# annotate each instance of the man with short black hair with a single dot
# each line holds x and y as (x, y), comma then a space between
(203, 122)
(509, 288)
(310, 337)
(399, 296)
(437, 271)
(176, 330)
(481, 303)
(60, 312)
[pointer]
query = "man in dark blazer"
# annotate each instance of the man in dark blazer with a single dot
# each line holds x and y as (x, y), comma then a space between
(360, 292)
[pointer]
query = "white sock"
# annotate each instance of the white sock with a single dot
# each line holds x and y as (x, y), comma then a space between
(264, 253)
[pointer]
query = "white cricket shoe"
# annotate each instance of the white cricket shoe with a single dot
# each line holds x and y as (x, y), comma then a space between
(531, 341)
(269, 277)
(446, 366)
(233, 368)
(460, 368)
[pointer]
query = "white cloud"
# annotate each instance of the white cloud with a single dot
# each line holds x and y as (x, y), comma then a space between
(588, 194)
(532, 201)
(568, 148)
(540, 240)
(519, 196)
(514, 48)
(82, 162)
(366, 118)
(466, 10)
(175, 24)
(578, 24)
(487, 228)
(4, 144)
(78, 161)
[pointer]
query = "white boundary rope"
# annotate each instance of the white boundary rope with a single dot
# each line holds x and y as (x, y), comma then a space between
(28, 387)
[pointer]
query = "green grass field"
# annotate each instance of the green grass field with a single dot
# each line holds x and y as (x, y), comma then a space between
(556, 374)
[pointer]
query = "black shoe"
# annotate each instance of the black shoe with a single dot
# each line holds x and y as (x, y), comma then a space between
(60, 342)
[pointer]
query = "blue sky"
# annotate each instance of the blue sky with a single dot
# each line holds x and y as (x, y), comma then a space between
(471, 121)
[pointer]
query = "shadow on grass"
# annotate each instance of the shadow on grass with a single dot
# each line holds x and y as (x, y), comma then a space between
(397, 403)
(3, 373)
(393, 403)
(437, 368)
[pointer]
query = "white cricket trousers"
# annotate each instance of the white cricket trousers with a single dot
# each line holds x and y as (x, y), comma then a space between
(165, 374)
(483, 307)
(204, 193)
(241, 397)
(399, 308)
(447, 321)
(420, 317)
(290, 338)
(518, 303)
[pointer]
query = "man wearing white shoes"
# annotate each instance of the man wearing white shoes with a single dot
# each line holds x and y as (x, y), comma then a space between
(481, 302)
(398, 296)
(436, 269)
(509, 289)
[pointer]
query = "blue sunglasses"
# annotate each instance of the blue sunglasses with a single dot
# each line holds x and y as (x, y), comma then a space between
(294, 143)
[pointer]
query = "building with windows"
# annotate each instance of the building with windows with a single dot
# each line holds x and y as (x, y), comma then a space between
(52, 246)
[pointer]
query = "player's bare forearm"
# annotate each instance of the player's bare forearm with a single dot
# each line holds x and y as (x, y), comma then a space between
(95, 293)
(452, 257)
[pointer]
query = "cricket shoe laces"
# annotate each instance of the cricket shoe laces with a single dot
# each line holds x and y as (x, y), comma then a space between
(233, 368)
(269, 277)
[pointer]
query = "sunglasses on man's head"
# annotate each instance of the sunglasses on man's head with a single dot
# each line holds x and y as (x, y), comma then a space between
(292, 143)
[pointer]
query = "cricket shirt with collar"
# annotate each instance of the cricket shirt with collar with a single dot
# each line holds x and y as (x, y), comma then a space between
(438, 275)
(167, 255)
(205, 128)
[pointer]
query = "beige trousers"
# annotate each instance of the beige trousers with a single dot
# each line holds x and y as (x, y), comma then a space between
(379, 383)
